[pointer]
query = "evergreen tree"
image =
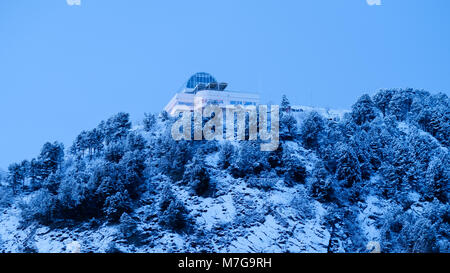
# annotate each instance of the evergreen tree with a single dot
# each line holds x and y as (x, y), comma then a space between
(250, 160)
(361, 146)
(127, 225)
(363, 110)
(382, 100)
(400, 104)
(15, 176)
(320, 187)
(311, 130)
(172, 212)
(347, 168)
(285, 105)
(116, 205)
(133, 163)
(149, 122)
(197, 177)
(94, 139)
(288, 124)
(34, 171)
(293, 167)
(288, 127)
(437, 179)
(226, 155)
(114, 152)
(50, 159)
(116, 127)
(135, 142)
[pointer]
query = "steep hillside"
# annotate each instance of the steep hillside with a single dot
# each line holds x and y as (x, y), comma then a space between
(341, 181)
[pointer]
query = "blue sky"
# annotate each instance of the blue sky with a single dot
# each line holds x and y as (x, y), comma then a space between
(65, 68)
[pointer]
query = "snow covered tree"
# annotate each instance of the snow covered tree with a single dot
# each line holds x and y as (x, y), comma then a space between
(409, 232)
(432, 114)
(361, 146)
(347, 168)
(226, 155)
(73, 194)
(107, 180)
(288, 124)
(135, 142)
(437, 178)
(6, 196)
(41, 207)
(35, 180)
(382, 100)
(400, 104)
(174, 159)
(90, 141)
(197, 177)
(16, 176)
(164, 116)
(288, 127)
(18, 173)
(127, 225)
(133, 163)
(52, 182)
(94, 140)
(390, 182)
(50, 159)
(293, 168)
(114, 152)
(249, 160)
(116, 204)
(285, 106)
(363, 110)
(116, 127)
(172, 155)
(79, 145)
(172, 212)
(320, 186)
(311, 130)
(149, 122)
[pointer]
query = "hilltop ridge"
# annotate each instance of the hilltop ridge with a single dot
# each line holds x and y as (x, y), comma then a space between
(341, 181)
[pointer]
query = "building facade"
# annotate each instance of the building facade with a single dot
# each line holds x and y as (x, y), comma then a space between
(202, 89)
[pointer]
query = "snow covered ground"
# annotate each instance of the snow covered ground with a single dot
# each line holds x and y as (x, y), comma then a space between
(243, 219)
(239, 216)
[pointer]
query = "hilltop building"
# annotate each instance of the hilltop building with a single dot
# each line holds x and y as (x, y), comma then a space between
(202, 89)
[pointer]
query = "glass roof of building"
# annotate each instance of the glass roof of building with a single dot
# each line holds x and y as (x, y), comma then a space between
(200, 77)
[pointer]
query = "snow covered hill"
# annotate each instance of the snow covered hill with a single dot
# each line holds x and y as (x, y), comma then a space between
(341, 181)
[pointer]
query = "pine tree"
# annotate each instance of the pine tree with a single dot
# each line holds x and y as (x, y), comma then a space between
(149, 122)
(285, 105)
(226, 155)
(400, 104)
(293, 167)
(116, 127)
(50, 159)
(288, 124)
(437, 179)
(320, 187)
(363, 110)
(288, 127)
(311, 130)
(127, 225)
(197, 177)
(172, 212)
(382, 100)
(15, 176)
(347, 168)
